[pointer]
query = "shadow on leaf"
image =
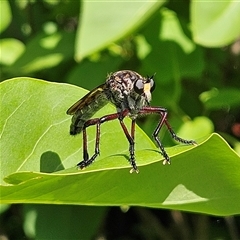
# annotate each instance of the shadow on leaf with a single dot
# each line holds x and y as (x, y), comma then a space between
(50, 162)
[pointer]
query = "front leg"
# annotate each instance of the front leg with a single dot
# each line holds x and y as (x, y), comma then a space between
(163, 120)
(130, 139)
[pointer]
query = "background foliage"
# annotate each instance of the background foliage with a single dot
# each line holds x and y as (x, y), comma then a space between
(193, 48)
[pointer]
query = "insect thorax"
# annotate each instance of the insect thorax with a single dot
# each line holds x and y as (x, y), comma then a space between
(121, 92)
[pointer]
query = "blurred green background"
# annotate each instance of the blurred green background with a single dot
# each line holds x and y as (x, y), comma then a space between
(194, 50)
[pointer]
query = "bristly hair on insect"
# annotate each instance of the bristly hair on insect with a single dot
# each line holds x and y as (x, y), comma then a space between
(131, 94)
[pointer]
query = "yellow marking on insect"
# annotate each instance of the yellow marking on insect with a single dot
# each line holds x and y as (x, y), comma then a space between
(147, 87)
(147, 92)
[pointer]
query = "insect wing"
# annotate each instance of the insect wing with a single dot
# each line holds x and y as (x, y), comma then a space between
(86, 100)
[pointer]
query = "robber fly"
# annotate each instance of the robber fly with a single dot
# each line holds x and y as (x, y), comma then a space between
(131, 94)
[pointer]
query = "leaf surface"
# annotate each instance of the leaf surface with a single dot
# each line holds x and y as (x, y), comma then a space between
(220, 24)
(112, 21)
(38, 159)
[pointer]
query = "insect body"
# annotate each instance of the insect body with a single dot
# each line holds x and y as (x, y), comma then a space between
(131, 94)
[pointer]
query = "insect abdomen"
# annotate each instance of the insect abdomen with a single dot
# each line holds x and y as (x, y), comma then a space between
(86, 112)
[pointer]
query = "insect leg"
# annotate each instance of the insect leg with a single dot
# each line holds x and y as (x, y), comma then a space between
(96, 121)
(130, 139)
(163, 120)
(85, 151)
(132, 150)
(177, 138)
(86, 160)
(156, 138)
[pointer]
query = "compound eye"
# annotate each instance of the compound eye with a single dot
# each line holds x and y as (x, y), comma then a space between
(152, 84)
(139, 87)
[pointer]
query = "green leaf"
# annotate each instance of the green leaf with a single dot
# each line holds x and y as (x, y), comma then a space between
(45, 50)
(11, 49)
(4, 207)
(67, 222)
(35, 143)
(173, 56)
(104, 22)
(221, 98)
(36, 126)
(220, 25)
(200, 127)
(171, 30)
(5, 16)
